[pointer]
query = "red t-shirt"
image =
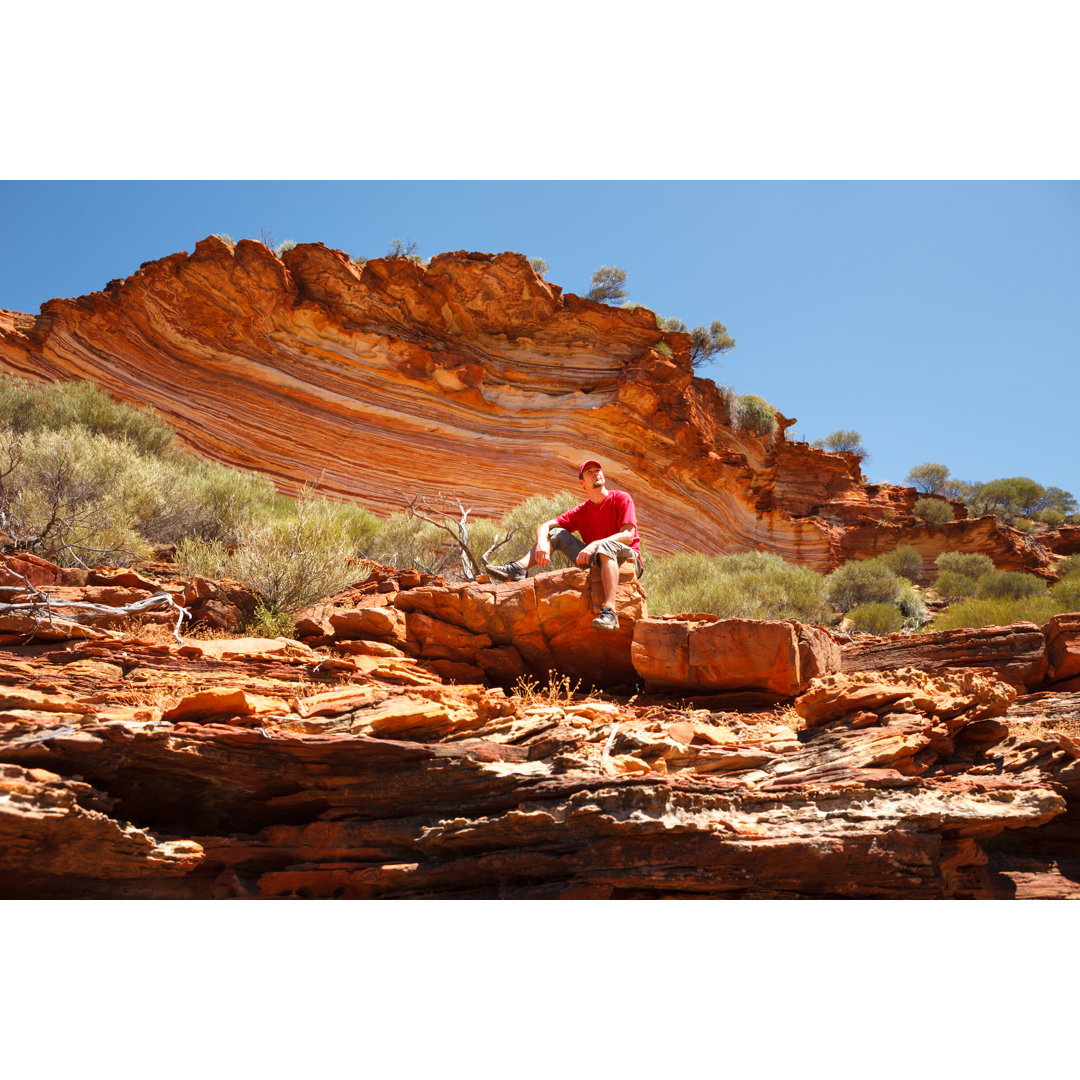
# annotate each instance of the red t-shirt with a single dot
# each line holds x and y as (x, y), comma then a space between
(597, 521)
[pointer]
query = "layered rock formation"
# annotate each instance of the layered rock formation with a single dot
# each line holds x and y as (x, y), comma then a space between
(134, 766)
(470, 375)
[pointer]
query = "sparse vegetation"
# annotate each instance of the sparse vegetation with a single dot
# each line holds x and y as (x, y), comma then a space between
(755, 414)
(539, 266)
(876, 618)
(972, 565)
(975, 613)
(838, 442)
(863, 581)
(750, 585)
(949, 584)
(904, 561)
(705, 342)
(933, 511)
(607, 285)
(1008, 585)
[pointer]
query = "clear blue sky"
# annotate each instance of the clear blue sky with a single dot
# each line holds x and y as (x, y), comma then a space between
(938, 319)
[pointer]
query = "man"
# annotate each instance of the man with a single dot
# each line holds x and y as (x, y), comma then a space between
(607, 524)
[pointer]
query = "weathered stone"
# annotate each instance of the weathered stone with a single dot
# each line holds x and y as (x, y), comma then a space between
(547, 619)
(705, 654)
(361, 623)
(1014, 653)
(1062, 635)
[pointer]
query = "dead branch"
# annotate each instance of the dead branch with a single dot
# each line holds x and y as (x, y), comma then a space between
(39, 606)
(420, 507)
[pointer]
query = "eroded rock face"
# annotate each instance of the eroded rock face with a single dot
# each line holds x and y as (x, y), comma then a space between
(266, 768)
(1016, 654)
(466, 375)
(544, 621)
(703, 654)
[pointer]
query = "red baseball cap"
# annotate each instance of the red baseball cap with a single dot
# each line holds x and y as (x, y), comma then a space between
(585, 464)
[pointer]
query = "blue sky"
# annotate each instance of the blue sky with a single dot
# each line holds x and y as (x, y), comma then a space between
(935, 318)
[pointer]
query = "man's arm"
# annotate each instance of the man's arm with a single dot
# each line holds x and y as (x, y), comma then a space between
(543, 542)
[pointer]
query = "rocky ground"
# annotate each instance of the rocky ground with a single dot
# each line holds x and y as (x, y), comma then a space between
(411, 746)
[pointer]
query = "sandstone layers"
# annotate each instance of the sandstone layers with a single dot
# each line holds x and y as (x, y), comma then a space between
(471, 375)
(347, 767)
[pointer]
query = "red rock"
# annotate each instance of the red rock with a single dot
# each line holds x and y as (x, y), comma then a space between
(1062, 634)
(412, 362)
(547, 619)
(775, 656)
(361, 623)
(1014, 653)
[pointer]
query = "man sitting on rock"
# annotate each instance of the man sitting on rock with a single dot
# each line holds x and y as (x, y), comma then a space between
(607, 524)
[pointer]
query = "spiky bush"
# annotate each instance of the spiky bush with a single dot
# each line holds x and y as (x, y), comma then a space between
(904, 561)
(995, 612)
(950, 583)
(1066, 593)
(866, 581)
(754, 414)
(933, 511)
(1068, 566)
(1007, 585)
(751, 585)
(876, 618)
(972, 565)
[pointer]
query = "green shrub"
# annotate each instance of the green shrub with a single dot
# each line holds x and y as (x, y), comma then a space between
(933, 511)
(267, 622)
(960, 562)
(975, 613)
(296, 560)
(950, 583)
(1066, 593)
(910, 602)
(904, 561)
(754, 414)
(751, 585)
(664, 349)
(1068, 566)
(863, 582)
(876, 618)
(25, 407)
(1006, 585)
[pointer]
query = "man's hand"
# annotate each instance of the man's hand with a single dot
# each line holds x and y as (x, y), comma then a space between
(586, 553)
(543, 552)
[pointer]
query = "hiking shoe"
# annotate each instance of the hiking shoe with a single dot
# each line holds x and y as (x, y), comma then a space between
(606, 620)
(512, 571)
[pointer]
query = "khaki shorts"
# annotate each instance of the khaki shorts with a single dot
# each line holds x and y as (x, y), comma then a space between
(571, 547)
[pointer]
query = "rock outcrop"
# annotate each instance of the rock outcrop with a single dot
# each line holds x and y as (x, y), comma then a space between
(133, 766)
(471, 375)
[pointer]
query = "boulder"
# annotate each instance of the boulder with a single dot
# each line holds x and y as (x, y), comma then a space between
(704, 654)
(1062, 635)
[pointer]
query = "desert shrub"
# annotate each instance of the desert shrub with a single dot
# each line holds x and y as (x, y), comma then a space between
(866, 581)
(664, 349)
(1068, 566)
(266, 622)
(1066, 593)
(950, 583)
(876, 618)
(291, 561)
(751, 585)
(68, 498)
(972, 565)
(910, 602)
(904, 561)
(997, 611)
(25, 407)
(205, 558)
(1006, 585)
(1054, 516)
(933, 511)
(754, 414)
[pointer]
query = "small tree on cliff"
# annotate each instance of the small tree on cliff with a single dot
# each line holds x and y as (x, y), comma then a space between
(704, 343)
(607, 285)
(538, 265)
(842, 441)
